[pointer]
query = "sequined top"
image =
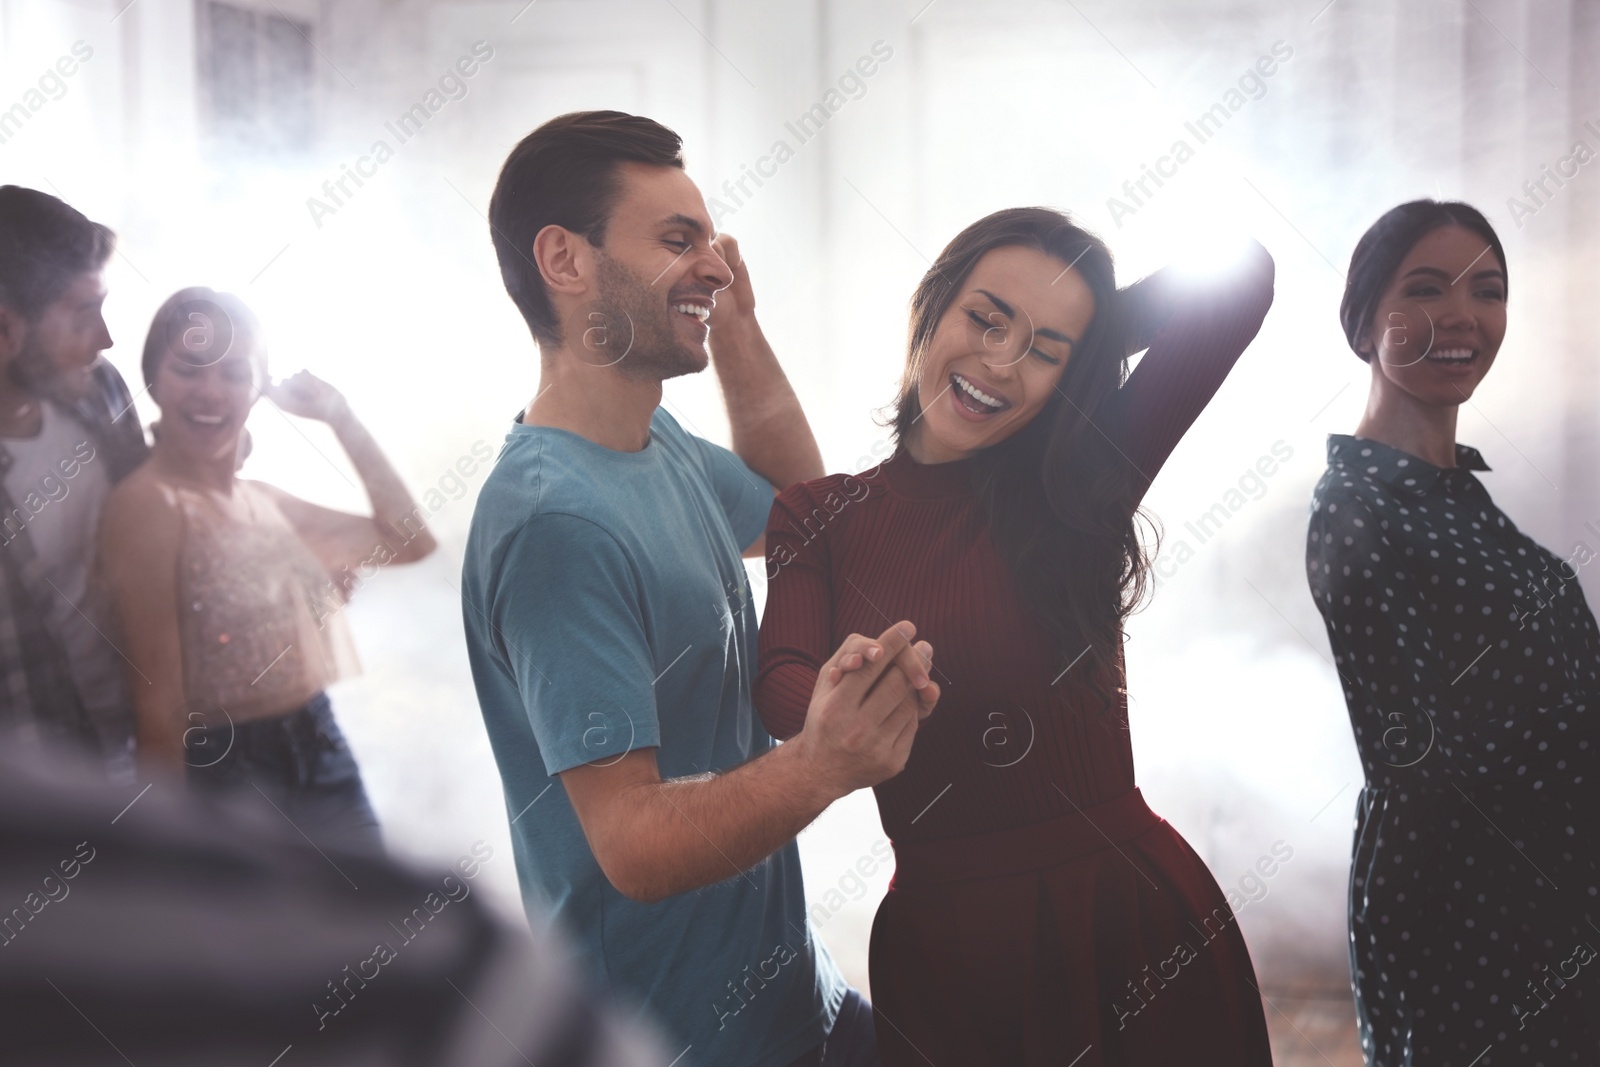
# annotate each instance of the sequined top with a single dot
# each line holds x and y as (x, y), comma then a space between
(258, 616)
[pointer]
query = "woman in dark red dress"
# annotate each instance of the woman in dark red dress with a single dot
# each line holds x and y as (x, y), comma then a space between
(1040, 913)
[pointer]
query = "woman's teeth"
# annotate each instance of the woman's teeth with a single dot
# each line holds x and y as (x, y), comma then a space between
(992, 404)
(699, 312)
(1452, 355)
(207, 420)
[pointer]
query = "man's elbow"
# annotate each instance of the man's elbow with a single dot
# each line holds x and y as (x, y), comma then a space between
(644, 895)
(631, 876)
(628, 863)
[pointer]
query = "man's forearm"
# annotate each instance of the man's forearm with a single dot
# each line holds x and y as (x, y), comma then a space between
(686, 833)
(770, 431)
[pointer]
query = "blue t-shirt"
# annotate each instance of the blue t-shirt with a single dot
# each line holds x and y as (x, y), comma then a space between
(607, 609)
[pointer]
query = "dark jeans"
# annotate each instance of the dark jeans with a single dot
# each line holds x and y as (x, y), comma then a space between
(851, 1043)
(298, 763)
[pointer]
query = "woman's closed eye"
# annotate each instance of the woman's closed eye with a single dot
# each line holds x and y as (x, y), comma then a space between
(984, 324)
(987, 326)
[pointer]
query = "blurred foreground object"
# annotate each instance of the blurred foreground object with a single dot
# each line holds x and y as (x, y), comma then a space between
(158, 932)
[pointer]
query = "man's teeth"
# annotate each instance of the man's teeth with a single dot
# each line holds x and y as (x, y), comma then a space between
(976, 393)
(699, 312)
(1452, 355)
(207, 420)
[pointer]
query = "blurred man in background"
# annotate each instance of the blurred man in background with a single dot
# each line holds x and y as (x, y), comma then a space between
(68, 433)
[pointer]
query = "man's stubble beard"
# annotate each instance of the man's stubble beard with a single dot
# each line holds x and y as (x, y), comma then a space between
(638, 317)
(35, 372)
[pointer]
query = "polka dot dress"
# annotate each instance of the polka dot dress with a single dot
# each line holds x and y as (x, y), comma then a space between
(1470, 663)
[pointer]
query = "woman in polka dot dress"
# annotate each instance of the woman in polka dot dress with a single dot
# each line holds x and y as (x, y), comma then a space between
(1471, 667)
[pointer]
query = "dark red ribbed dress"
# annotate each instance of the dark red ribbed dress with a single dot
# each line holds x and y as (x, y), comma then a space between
(1040, 913)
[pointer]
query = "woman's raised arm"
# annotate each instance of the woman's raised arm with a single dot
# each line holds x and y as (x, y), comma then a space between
(1195, 331)
(396, 532)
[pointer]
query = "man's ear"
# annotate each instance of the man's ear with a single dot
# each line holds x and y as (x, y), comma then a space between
(565, 260)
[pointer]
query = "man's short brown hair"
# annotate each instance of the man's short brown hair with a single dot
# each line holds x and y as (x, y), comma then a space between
(45, 244)
(565, 173)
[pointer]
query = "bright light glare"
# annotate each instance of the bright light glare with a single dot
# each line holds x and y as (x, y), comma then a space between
(1201, 249)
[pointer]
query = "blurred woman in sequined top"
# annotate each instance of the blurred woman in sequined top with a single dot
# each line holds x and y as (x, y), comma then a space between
(228, 590)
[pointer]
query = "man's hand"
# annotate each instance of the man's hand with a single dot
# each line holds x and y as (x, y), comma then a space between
(869, 698)
(654, 838)
(769, 430)
(854, 661)
(737, 303)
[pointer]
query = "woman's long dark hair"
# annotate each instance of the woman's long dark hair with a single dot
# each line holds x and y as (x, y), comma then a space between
(1058, 498)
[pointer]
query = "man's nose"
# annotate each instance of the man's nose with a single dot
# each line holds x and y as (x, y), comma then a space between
(714, 270)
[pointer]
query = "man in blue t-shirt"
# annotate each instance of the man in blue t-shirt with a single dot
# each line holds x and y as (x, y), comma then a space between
(609, 622)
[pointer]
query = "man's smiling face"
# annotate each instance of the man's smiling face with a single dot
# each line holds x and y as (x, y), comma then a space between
(656, 276)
